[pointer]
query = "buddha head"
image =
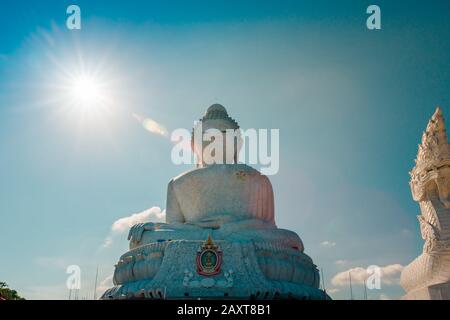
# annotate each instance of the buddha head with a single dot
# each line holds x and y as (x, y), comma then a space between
(216, 138)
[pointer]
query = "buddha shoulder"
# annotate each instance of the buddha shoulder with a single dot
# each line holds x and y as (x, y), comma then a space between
(216, 172)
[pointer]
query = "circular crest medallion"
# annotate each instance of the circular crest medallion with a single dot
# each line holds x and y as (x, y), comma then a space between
(209, 259)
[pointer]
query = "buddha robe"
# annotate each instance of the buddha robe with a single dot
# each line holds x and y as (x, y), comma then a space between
(211, 196)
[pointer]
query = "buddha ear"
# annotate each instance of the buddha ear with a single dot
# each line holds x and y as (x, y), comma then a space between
(239, 144)
(197, 152)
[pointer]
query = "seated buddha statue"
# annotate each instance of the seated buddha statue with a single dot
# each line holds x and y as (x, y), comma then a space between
(216, 197)
(219, 238)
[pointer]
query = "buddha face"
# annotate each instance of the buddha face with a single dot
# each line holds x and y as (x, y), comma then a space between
(216, 138)
(216, 146)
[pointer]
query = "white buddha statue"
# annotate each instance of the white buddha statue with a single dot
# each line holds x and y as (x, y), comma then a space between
(217, 191)
(231, 206)
(225, 197)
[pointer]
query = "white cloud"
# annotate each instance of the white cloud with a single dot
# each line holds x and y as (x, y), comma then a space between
(104, 285)
(390, 275)
(341, 262)
(108, 241)
(386, 297)
(154, 214)
(333, 290)
(328, 244)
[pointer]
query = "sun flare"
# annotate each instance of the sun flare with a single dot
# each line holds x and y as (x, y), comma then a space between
(86, 91)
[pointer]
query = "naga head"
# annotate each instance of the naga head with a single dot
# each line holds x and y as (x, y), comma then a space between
(431, 174)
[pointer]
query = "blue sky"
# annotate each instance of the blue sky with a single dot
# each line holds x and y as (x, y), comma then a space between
(350, 104)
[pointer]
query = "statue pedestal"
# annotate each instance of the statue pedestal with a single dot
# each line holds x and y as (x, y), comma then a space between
(427, 277)
(170, 270)
(439, 291)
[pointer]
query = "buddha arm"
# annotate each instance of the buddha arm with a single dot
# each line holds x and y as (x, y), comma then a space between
(173, 210)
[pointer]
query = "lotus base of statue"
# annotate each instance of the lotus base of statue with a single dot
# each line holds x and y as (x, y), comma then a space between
(215, 269)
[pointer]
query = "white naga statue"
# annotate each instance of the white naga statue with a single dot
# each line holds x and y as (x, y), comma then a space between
(219, 239)
(428, 276)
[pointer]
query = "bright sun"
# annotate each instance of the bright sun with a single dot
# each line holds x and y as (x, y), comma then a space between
(82, 89)
(86, 91)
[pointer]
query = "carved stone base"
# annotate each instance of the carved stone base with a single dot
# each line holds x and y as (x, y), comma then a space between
(426, 271)
(435, 292)
(168, 270)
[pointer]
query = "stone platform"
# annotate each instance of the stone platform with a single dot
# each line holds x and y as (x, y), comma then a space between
(168, 270)
(439, 291)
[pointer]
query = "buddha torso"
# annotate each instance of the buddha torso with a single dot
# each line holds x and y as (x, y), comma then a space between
(219, 193)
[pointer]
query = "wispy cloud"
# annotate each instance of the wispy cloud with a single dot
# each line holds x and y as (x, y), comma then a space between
(384, 296)
(333, 290)
(341, 262)
(108, 241)
(328, 244)
(390, 275)
(153, 214)
(151, 125)
(104, 285)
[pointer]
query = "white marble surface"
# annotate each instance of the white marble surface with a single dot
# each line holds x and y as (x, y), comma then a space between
(428, 276)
